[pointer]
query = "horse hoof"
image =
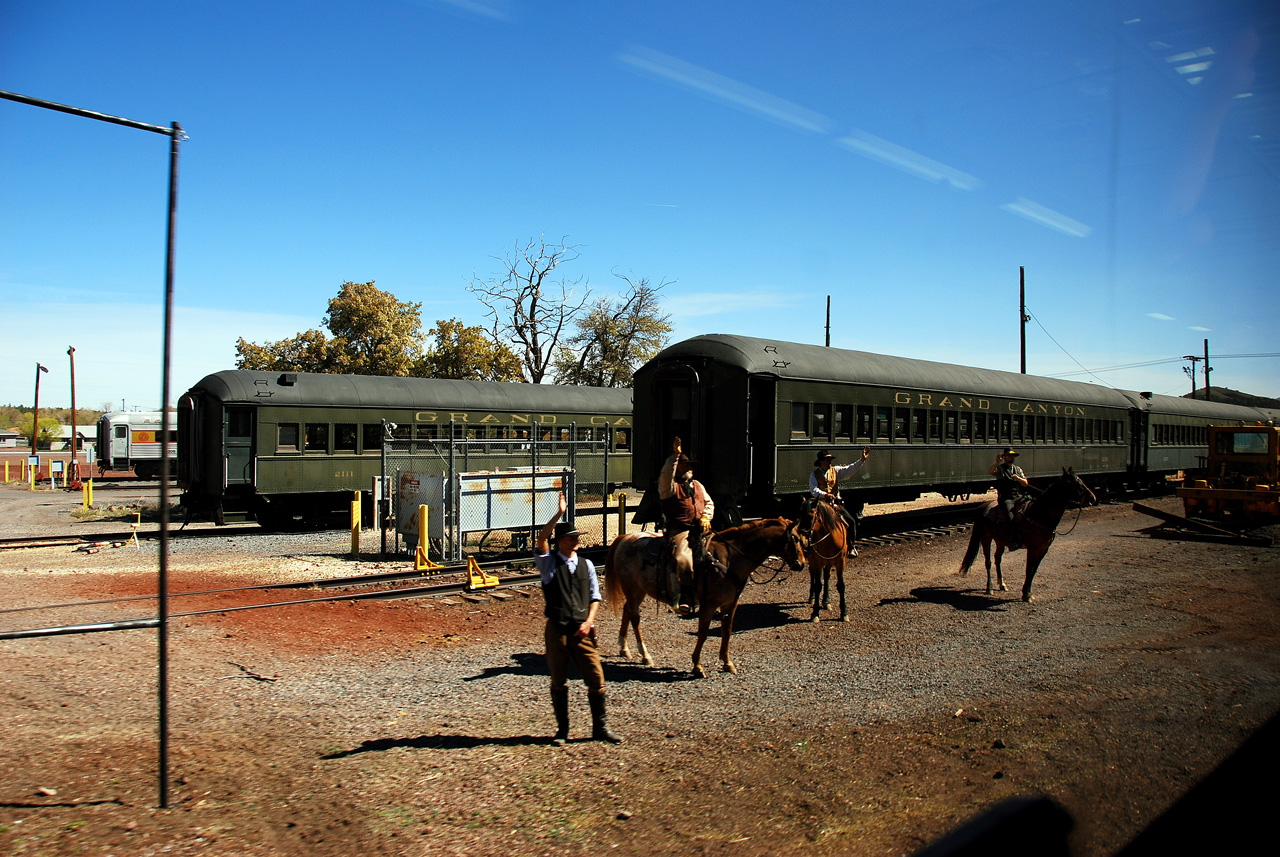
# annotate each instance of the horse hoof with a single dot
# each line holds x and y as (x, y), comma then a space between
(815, 618)
(1004, 588)
(844, 617)
(647, 662)
(729, 668)
(698, 672)
(1028, 597)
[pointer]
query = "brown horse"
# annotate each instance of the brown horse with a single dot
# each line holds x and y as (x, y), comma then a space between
(1034, 530)
(825, 552)
(632, 569)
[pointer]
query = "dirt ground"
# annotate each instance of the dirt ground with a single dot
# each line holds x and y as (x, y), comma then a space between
(421, 727)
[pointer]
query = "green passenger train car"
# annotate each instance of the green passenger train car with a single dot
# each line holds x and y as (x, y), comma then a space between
(282, 446)
(754, 413)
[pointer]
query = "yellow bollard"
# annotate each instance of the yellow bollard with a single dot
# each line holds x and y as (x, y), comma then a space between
(90, 484)
(622, 512)
(355, 525)
(6, 471)
(420, 560)
(84, 495)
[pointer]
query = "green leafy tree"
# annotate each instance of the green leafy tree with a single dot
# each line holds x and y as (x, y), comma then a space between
(531, 306)
(616, 337)
(371, 333)
(468, 353)
(49, 431)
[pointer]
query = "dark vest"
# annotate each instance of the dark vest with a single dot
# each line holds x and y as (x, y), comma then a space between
(568, 596)
(1005, 486)
(683, 507)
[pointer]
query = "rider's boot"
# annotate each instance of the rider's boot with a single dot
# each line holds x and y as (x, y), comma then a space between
(560, 704)
(600, 730)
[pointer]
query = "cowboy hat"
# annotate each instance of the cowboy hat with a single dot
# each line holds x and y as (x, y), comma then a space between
(1009, 451)
(822, 456)
(564, 529)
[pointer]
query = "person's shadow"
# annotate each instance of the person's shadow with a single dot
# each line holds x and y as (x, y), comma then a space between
(615, 671)
(438, 742)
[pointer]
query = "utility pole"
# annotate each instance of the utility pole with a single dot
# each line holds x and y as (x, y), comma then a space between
(1207, 370)
(828, 321)
(74, 474)
(1191, 371)
(35, 409)
(1022, 313)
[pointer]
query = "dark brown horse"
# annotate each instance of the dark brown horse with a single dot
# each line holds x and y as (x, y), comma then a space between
(1034, 530)
(632, 570)
(825, 552)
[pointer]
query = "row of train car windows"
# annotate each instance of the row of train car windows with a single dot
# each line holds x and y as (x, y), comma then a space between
(1163, 434)
(865, 424)
(343, 437)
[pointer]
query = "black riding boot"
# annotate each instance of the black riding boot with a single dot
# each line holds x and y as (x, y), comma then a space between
(560, 704)
(599, 728)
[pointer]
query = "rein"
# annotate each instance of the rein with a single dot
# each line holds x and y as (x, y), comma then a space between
(1079, 510)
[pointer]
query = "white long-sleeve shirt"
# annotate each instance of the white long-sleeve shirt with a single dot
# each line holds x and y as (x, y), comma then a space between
(816, 490)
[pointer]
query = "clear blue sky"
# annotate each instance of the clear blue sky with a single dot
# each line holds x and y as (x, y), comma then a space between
(904, 158)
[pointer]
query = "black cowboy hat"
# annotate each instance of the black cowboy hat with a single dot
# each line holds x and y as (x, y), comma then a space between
(684, 463)
(1009, 451)
(822, 454)
(564, 529)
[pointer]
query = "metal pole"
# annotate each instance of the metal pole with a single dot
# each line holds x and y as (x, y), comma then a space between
(828, 321)
(175, 138)
(1022, 314)
(74, 475)
(604, 493)
(35, 411)
(1207, 370)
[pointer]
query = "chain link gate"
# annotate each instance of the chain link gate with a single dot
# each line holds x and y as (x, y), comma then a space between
(492, 496)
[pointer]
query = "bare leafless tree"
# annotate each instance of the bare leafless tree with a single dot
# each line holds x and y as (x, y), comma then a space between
(616, 336)
(528, 306)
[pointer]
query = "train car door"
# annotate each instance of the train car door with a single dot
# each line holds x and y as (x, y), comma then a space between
(762, 433)
(1138, 429)
(678, 398)
(237, 445)
(120, 447)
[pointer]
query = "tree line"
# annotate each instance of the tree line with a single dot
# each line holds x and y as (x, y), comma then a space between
(541, 325)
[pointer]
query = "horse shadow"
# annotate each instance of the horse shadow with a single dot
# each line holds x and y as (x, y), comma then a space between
(437, 742)
(750, 617)
(964, 600)
(528, 664)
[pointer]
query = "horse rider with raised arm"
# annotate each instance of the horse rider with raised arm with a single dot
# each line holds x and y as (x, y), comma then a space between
(822, 486)
(571, 591)
(1011, 482)
(688, 509)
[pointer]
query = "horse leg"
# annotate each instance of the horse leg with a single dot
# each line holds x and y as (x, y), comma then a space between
(726, 630)
(999, 572)
(826, 589)
(844, 607)
(1033, 565)
(986, 557)
(815, 591)
(631, 615)
(704, 624)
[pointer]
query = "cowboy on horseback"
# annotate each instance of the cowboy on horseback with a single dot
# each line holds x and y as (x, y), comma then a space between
(1011, 483)
(687, 508)
(822, 487)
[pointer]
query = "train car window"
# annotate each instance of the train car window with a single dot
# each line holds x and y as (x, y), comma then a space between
(1040, 429)
(287, 437)
(864, 422)
(520, 433)
(122, 432)
(239, 422)
(1016, 436)
(1006, 426)
(843, 425)
(621, 440)
(901, 424)
(344, 437)
(372, 437)
(1080, 435)
(1119, 432)
(821, 422)
(315, 437)
(799, 420)
(882, 424)
(402, 432)
(979, 428)
(935, 426)
(966, 426)
(950, 419)
(919, 425)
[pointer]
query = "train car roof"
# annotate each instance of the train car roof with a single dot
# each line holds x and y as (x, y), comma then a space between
(369, 391)
(817, 363)
(1176, 405)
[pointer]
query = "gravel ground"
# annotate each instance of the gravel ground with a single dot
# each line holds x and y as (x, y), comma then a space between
(421, 727)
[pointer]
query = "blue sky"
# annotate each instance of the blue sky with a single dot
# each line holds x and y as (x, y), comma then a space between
(904, 158)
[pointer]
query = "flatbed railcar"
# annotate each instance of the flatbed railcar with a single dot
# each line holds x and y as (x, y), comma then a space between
(754, 413)
(130, 440)
(283, 447)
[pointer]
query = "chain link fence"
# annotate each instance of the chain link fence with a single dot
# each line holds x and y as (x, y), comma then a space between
(490, 496)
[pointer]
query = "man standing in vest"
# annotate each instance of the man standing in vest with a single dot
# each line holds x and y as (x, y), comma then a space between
(688, 509)
(822, 486)
(572, 594)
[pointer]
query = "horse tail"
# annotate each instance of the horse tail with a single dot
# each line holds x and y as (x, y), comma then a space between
(975, 541)
(612, 578)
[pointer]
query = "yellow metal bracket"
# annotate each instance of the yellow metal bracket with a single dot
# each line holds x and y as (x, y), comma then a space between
(422, 563)
(477, 578)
